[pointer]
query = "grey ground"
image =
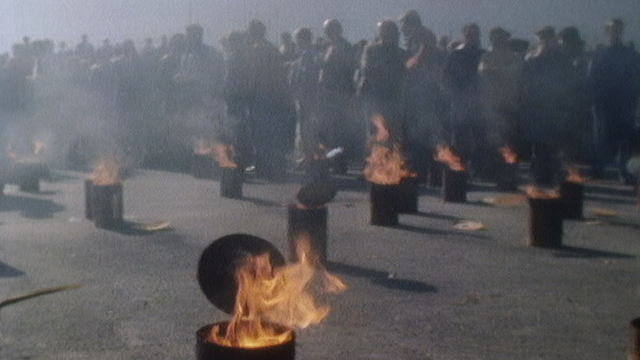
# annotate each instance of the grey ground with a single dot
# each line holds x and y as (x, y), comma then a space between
(423, 290)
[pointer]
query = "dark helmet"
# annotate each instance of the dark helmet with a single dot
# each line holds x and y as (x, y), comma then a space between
(256, 29)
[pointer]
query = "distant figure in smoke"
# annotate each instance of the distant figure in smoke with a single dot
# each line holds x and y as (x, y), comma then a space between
(237, 94)
(501, 71)
(579, 125)
(287, 47)
(425, 100)
(467, 131)
(200, 76)
(304, 86)
(336, 90)
(546, 76)
(382, 77)
(272, 115)
(614, 83)
(169, 66)
(16, 88)
(85, 50)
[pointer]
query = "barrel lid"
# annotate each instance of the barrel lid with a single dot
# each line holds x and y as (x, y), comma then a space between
(317, 193)
(220, 260)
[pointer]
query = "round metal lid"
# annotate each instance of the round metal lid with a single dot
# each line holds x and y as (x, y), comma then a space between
(220, 260)
(317, 193)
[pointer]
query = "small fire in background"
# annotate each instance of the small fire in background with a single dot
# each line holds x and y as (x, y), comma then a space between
(224, 154)
(320, 152)
(268, 296)
(535, 192)
(509, 156)
(203, 147)
(446, 156)
(386, 164)
(573, 174)
(106, 171)
(37, 147)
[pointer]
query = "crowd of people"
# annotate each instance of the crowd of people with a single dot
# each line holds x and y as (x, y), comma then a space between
(552, 102)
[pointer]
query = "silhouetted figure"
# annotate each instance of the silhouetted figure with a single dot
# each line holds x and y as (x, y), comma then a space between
(500, 70)
(424, 101)
(287, 47)
(272, 115)
(614, 83)
(336, 91)
(304, 86)
(382, 76)
(467, 131)
(579, 125)
(546, 79)
(84, 50)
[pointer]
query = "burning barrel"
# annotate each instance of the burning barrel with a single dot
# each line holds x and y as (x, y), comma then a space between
(206, 349)
(454, 186)
(408, 195)
(571, 192)
(88, 199)
(232, 175)
(28, 174)
(545, 219)
(202, 166)
(454, 180)
(572, 197)
(107, 205)
(633, 352)
(383, 201)
(509, 177)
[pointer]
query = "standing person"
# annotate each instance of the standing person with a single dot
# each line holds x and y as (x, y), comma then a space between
(287, 47)
(546, 77)
(237, 94)
(272, 115)
(579, 123)
(336, 89)
(500, 70)
(467, 132)
(424, 101)
(382, 76)
(304, 86)
(614, 83)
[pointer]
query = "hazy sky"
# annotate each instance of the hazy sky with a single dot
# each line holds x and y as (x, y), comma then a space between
(137, 19)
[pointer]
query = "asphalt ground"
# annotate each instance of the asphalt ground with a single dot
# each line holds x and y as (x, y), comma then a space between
(422, 290)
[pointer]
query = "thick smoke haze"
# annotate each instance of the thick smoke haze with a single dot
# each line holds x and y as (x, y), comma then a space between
(65, 20)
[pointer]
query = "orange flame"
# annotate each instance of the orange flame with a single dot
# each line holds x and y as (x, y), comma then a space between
(203, 147)
(573, 174)
(320, 152)
(268, 296)
(106, 171)
(386, 164)
(446, 156)
(223, 154)
(509, 156)
(535, 192)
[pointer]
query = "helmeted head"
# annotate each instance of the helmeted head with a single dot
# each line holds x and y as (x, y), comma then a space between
(614, 29)
(547, 36)
(256, 29)
(332, 28)
(499, 38)
(194, 35)
(410, 21)
(303, 37)
(388, 32)
(471, 34)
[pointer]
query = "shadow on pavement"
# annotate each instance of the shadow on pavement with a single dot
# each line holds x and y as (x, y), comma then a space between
(607, 190)
(578, 252)
(30, 207)
(425, 231)
(261, 202)
(436, 216)
(380, 278)
(134, 229)
(610, 200)
(7, 271)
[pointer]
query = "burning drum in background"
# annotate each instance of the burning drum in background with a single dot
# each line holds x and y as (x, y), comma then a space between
(104, 194)
(454, 187)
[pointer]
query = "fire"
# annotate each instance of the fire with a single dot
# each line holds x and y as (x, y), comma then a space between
(509, 156)
(386, 164)
(224, 154)
(535, 192)
(37, 147)
(573, 174)
(268, 296)
(106, 171)
(446, 156)
(320, 152)
(203, 147)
